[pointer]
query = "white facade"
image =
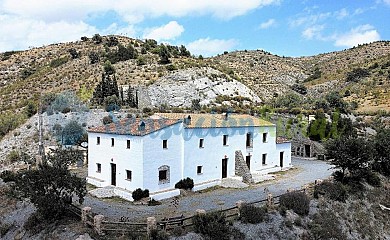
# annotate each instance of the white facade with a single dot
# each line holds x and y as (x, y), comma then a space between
(180, 151)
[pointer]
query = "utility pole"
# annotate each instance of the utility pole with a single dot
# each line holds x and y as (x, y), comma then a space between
(41, 149)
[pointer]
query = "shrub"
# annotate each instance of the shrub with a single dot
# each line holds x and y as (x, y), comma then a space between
(4, 228)
(8, 176)
(296, 201)
(253, 214)
(138, 194)
(107, 120)
(213, 225)
(373, 179)
(325, 225)
(335, 191)
(155, 234)
(58, 62)
(171, 67)
(186, 184)
(13, 156)
(34, 223)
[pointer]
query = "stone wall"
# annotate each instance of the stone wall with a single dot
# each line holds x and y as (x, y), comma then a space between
(241, 169)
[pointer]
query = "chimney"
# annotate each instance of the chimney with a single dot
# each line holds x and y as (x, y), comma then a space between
(141, 126)
(187, 120)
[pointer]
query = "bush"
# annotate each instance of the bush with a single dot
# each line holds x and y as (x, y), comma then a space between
(335, 191)
(107, 120)
(296, 201)
(138, 194)
(8, 176)
(252, 214)
(186, 184)
(155, 234)
(373, 179)
(325, 225)
(13, 156)
(213, 225)
(171, 67)
(58, 62)
(4, 228)
(34, 223)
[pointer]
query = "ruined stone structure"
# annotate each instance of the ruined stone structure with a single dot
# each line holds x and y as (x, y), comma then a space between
(241, 168)
(304, 147)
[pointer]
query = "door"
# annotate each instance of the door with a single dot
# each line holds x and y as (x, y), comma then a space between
(281, 159)
(307, 151)
(113, 174)
(248, 162)
(224, 167)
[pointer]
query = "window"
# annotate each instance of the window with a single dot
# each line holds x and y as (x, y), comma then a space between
(225, 140)
(264, 159)
(98, 167)
(265, 137)
(112, 142)
(249, 140)
(165, 144)
(98, 141)
(199, 170)
(201, 143)
(128, 144)
(163, 174)
(128, 175)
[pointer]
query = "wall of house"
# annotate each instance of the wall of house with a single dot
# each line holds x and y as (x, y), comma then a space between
(211, 155)
(155, 156)
(260, 148)
(125, 159)
(286, 149)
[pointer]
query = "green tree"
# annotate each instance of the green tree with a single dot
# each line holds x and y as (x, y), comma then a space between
(73, 53)
(351, 154)
(382, 151)
(97, 38)
(184, 52)
(94, 57)
(51, 186)
(317, 129)
(164, 54)
(31, 109)
(72, 133)
(112, 103)
(108, 68)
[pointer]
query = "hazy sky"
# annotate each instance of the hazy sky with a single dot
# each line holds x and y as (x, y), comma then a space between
(207, 27)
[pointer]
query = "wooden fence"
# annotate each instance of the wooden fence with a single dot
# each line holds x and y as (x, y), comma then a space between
(101, 225)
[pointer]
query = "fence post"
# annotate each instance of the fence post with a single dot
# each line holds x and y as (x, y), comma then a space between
(98, 224)
(151, 223)
(200, 211)
(84, 215)
(270, 200)
(239, 205)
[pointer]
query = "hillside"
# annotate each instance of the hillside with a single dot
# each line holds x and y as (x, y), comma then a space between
(27, 74)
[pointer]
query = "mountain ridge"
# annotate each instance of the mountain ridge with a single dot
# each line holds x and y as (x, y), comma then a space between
(25, 75)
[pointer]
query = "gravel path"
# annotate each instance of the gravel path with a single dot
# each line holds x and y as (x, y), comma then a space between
(306, 171)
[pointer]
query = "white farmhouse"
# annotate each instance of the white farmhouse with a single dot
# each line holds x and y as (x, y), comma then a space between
(157, 152)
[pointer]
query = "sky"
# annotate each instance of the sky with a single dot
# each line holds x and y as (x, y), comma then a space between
(207, 27)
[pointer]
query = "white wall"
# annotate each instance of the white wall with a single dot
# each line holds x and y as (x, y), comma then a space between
(155, 156)
(125, 159)
(183, 155)
(286, 149)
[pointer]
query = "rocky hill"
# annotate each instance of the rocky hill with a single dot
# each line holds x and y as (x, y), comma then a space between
(256, 75)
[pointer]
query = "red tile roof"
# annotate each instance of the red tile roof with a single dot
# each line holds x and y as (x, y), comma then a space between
(200, 120)
(130, 126)
(282, 140)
